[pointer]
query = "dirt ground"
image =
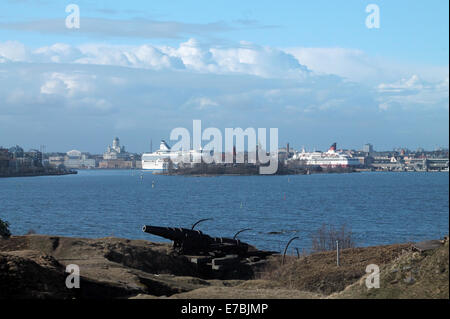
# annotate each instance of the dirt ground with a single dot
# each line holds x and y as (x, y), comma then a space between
(34, 267)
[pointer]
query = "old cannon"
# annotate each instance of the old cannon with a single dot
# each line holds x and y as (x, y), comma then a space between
(189, 241)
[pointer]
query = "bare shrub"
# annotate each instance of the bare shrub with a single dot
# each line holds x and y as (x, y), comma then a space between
(4, 229)
(325, 238)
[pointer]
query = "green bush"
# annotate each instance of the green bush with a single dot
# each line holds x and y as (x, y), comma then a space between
(4, 229)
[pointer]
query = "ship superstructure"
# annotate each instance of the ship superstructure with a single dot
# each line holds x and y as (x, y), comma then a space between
(158, 160)
(161, 159)
(331, 158)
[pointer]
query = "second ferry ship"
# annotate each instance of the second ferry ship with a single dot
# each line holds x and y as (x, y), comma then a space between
(331, 158)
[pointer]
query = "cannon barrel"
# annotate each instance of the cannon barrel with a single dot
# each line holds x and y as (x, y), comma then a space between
(188, 240)
(171, 233)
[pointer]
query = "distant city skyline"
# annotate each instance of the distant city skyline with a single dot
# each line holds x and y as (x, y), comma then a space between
(139, 69)
(156, 145)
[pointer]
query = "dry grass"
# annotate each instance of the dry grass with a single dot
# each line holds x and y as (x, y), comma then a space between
(411, 275)
(252, 289)
(319, 273)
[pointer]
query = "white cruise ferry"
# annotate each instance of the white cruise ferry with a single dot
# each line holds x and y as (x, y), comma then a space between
(160, 160)
(331, 158)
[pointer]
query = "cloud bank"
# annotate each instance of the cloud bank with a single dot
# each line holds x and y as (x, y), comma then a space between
(63, 95)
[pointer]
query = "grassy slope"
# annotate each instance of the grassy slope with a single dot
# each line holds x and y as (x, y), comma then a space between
(318, 273)
(411, 275)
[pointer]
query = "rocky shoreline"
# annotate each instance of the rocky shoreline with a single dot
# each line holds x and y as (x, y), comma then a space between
(205, 171)
(33, 266)
(37, 173)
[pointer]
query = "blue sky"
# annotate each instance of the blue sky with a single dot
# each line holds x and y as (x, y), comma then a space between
(137, 69)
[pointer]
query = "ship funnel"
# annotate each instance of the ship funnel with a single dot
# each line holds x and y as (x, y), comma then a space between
(163, 146)
(333, 147)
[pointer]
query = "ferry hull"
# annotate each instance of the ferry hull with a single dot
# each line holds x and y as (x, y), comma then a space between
(153, 167)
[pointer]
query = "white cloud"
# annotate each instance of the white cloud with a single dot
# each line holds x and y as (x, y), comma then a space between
(243, 58)
(410, 84)
(13, 51)
(246, 58)
(114, 89)
(351, 64)
(67, 84)
(153, 57)
(414, 92)
(57, 53)
(356, 65)
(256, 60)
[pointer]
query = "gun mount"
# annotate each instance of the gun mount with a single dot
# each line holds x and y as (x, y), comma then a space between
(188, 241)
(214, 257)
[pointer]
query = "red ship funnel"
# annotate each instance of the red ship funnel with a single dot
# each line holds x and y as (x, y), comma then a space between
(333, 147)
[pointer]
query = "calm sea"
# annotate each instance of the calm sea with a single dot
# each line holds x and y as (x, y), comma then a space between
(380, 208)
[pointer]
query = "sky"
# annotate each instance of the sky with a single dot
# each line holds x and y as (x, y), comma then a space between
(138, 69)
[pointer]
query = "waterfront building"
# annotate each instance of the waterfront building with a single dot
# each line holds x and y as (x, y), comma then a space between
(35, 156)
(285, 153)
(133, 162)
(56, 161)
(76, 160)
(364, 161)
(16, 152)
(116, 151)
(4, 158)
(368, 148)
(116, 164)
(20, 162)
(116, 157)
